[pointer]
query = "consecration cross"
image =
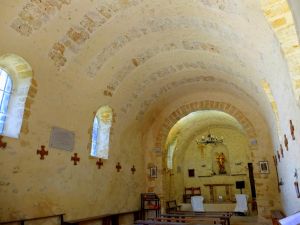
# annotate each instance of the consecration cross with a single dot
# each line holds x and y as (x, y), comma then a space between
(133, 169)
(99, 163)
(75, 159)
(42, 152)
(119, 167)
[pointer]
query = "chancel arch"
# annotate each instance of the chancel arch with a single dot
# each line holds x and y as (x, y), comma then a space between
(195, 106)
(223, 162)
(257, 149)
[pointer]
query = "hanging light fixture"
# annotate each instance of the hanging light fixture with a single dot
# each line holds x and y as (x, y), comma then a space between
(210, 139)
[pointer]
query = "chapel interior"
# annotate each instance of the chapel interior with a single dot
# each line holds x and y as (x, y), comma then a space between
(105, 103)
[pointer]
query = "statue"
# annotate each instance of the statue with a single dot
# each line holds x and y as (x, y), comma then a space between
(221, 163)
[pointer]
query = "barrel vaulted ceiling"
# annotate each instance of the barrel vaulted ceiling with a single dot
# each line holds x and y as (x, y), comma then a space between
(140, 54)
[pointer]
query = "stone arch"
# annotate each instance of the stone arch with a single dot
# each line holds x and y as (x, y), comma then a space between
(150, 53)
(164, 24)
(22, 97)
(186, 109)
(279, 15)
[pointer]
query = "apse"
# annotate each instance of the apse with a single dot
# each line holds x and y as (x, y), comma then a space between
(207, 147)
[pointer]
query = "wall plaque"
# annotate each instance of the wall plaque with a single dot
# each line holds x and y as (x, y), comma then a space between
(62, 139)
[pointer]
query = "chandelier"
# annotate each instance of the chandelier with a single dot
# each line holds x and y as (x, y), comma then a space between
(210, 139)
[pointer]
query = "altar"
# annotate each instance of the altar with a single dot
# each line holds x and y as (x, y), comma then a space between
(211, 207)
(213, 196)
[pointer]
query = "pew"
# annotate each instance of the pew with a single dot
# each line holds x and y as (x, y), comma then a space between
(22, 221)
(108, 219)
(189, 220)
(153, 222)
(224, 216)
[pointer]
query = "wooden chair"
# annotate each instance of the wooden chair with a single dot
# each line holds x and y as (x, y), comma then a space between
(171, 206)
(197, 191)
(189, 192)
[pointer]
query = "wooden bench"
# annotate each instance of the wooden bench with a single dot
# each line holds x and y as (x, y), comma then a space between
(107, 219)
(224, 216)
(22, 221)
(194, 220)
(276, 215)
(153, 222)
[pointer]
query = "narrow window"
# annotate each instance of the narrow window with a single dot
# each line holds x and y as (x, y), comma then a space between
(171, 150)
(95, 137)
(5, 92)
(101, 132)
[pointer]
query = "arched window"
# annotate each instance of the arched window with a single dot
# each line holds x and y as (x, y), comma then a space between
(171, 150)
(15, 82)
(5, 92)
(101, 132)
(95, 136)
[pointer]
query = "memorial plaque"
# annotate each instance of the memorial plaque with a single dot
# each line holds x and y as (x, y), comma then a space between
(62, 139)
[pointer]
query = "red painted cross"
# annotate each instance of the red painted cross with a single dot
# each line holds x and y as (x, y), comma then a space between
(118, 166)
(75, 159)
(133, 169)
(42, 152)
(2, 144)
(99, 163)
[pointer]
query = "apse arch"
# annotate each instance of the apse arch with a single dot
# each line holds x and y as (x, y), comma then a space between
(186, 109)
(195, 123)
(186, 154)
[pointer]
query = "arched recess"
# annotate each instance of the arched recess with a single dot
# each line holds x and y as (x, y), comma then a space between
(196, 106)
(184, 110)
(21, 74)
(202, 158)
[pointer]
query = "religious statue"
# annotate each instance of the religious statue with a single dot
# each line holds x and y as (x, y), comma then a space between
(221, 163)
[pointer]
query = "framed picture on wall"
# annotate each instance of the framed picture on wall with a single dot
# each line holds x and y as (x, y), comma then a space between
(153, 172)
(264, 167)
(191, 172)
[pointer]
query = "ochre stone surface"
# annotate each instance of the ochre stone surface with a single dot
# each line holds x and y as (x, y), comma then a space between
(152, 62)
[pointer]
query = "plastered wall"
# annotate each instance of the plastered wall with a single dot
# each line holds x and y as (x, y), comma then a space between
(151, 61)
(235, 149)
(30, 187)
(266, 199)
